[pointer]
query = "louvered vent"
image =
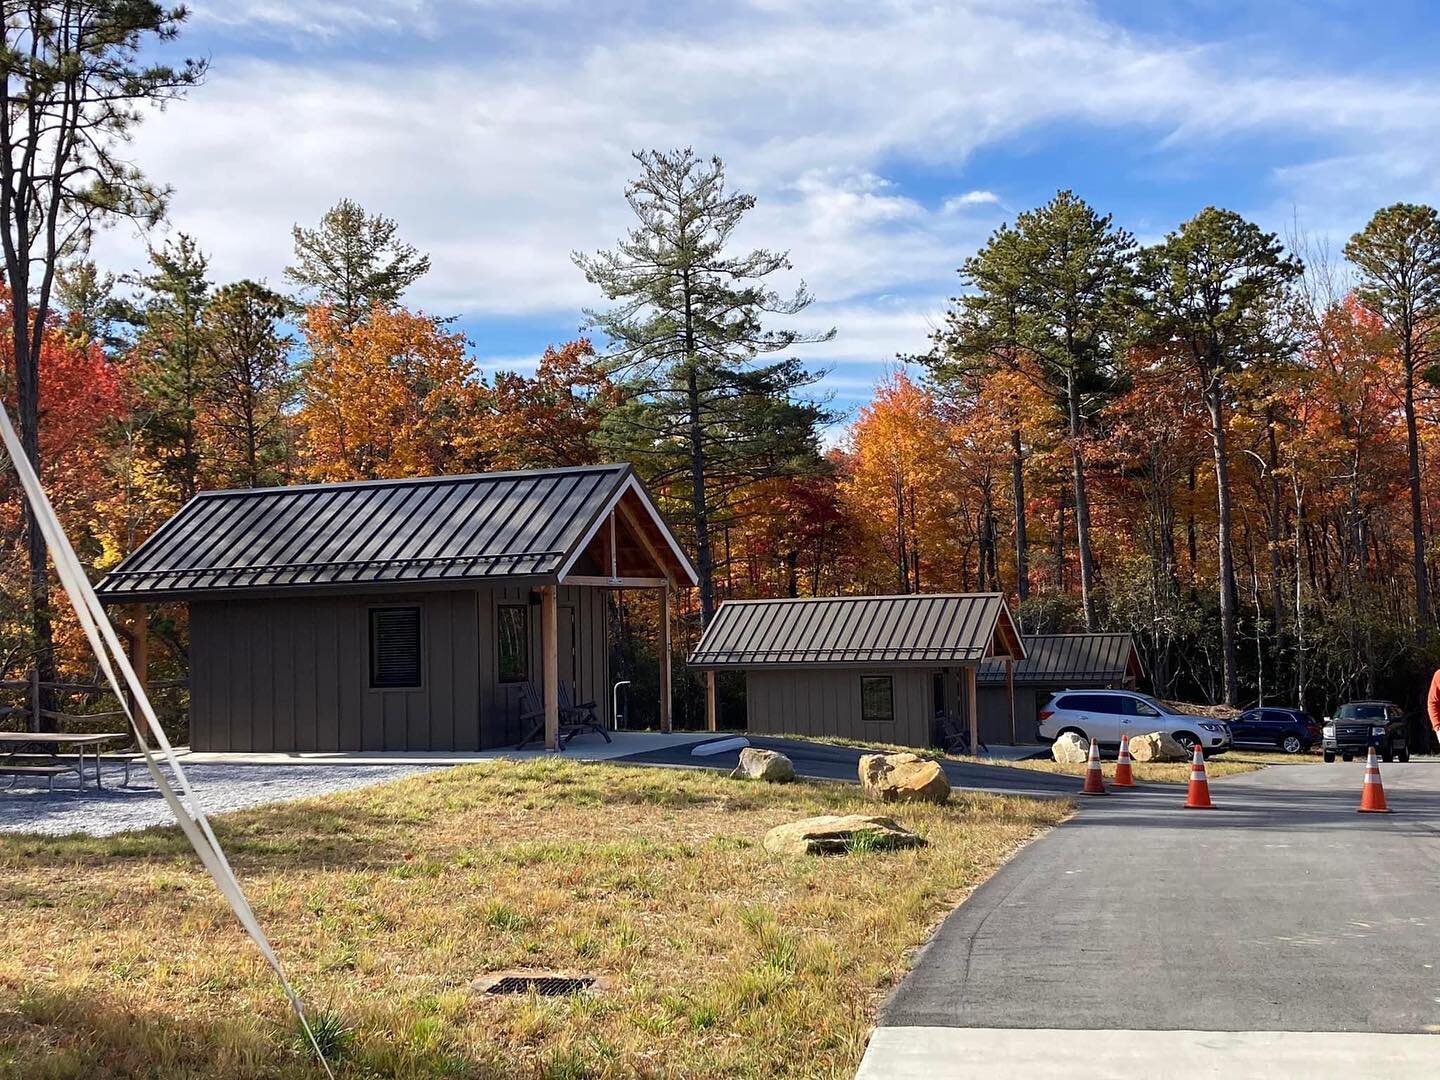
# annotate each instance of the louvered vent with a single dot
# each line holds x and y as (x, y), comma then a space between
(394, 648)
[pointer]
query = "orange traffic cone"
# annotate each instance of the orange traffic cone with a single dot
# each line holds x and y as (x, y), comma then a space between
(1372, 795)
(1094, 781)
(1124, 777)
(1198, 797)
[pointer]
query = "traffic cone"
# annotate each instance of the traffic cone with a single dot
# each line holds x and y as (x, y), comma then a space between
(1124, 777)
(1198, 797)
(1094, 781)
(1372, 795)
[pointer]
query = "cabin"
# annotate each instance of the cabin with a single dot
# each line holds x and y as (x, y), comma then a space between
(409, 614)
(1053, 662)
(869, 668)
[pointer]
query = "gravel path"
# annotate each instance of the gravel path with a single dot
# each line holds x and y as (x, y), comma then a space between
(27, 808)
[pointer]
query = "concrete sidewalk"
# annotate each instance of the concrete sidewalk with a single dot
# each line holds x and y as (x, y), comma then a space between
(938, 1053)
(586, 747)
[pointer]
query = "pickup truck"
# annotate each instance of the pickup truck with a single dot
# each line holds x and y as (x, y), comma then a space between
(1359, 725)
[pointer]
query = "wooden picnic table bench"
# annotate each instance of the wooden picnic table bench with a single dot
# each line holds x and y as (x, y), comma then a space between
(49, 762)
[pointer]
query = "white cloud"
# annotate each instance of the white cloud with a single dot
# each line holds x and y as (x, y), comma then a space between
(957, 203)
(500, 160)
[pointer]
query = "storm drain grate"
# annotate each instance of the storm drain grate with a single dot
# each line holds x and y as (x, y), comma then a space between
(544, 985)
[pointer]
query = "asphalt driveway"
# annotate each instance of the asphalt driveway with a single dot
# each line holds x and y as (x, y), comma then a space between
(821, 761)
(1282, 912)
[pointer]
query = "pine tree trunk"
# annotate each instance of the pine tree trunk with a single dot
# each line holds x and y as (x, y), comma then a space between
(1229, 649)
(1417, 522)
(1022, 543)
(1082, 512)
(699, 507)
(27, 392)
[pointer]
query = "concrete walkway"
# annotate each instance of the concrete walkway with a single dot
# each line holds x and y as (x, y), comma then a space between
(586, 747)
(1140, 939)
(822, 761)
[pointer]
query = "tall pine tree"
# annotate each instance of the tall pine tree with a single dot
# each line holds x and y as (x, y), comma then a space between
(688, 341)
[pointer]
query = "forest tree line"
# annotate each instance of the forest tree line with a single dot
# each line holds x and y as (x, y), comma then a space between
(1218, 442)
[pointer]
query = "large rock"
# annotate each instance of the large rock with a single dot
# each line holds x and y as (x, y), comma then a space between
(1071, 749)
(832, 834)
(757, 764)
(903, 778)
(1157, 746)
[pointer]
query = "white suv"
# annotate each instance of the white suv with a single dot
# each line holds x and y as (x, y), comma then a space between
(1105, 715)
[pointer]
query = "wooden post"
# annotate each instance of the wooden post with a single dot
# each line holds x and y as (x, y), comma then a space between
(34, 695)
(970, 708)
(139, 627)
(550, 665)
(1010, 694)
(665, 690)
(711, 711)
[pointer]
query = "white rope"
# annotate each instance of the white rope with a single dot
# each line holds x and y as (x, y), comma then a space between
(108, 652)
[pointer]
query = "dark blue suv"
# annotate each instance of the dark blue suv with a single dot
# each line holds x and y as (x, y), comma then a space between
(1291, 730)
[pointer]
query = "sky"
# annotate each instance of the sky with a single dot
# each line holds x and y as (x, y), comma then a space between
(883, 139)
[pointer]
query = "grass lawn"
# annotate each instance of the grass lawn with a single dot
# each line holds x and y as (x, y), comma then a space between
(118, 958)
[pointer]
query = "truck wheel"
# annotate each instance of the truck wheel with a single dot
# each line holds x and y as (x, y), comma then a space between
(1329, 757)
(1404, 754)
(1291, 744)
(1348, 757)
(1387, 755)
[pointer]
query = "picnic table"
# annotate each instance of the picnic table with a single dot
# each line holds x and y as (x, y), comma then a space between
(52, 742)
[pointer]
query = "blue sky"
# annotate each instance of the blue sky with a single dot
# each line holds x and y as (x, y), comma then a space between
(884, 139)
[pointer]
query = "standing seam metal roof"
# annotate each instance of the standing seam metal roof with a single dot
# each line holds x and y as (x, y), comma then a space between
(1069, 658)
(910, 629)
(422, 530)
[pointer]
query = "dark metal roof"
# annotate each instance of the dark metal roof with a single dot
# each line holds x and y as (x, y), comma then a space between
(425, 530)
(889, 630)
(1071, 660)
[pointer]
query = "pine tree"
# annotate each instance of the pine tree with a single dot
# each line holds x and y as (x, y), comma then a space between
(75, 85)
(353, 262)
(1049, 302)
(249, 384)
(170, 361)
(687, 339)
(1214, 293)
(1398, 259)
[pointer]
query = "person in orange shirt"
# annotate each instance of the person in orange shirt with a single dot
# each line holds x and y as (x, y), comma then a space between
(1433, 704)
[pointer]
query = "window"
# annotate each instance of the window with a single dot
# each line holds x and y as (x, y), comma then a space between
(1090, 703)
(513, 641)
(877, 699)
(395, 648)
(1139, 707)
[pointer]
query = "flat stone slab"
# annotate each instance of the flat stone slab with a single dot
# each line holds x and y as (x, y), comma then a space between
(935, 1053)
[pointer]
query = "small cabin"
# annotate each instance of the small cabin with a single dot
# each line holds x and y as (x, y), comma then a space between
(869, 668)
(410, 614)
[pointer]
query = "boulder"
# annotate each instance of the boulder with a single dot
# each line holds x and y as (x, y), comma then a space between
(831, 834)
(757, 764)
(1157, 746)
(903, 778)
(1071, 749)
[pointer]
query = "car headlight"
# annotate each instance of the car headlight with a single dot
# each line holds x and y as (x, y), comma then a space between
(1213, 727)
(1377, 731)
(1328, 731)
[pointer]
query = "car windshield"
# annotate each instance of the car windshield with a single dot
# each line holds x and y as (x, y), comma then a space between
(1361, 712)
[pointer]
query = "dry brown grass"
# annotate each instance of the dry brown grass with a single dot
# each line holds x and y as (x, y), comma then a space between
(117, 958)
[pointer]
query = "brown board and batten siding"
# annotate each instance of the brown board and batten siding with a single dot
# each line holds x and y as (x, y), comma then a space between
(293, 674)
(827, 702)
